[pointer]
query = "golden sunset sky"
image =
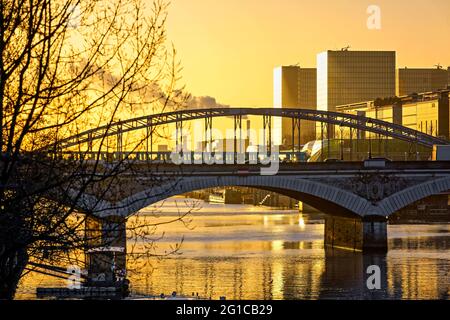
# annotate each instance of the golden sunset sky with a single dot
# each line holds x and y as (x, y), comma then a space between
(228, 48)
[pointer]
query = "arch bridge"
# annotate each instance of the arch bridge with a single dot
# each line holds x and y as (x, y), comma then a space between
(148, 123)
(358, 196)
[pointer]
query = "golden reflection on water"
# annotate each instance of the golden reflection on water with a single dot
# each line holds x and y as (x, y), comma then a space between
(242, 253)
(301, 222)
(253, 277)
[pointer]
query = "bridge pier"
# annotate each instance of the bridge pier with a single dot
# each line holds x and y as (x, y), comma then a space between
(106, 253)
(366, 234)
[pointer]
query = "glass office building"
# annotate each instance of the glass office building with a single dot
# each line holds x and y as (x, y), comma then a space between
(294, 87)
(427, 112)
(349, 76)
(421, 80)
(448, 77)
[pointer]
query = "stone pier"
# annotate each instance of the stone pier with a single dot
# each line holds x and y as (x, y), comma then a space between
(106, 252)
(367, 234)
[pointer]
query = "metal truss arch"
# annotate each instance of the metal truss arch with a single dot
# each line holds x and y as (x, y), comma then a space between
(333, 118)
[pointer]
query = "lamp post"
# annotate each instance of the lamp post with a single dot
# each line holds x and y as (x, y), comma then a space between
(370, 140)
(341, 128)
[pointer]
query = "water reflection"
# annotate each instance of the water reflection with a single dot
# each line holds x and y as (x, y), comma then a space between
(301, 222)
(346, 275)
(243, 253)
(238, 278)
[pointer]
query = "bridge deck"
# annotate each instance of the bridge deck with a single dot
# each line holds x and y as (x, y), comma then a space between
(338, 167)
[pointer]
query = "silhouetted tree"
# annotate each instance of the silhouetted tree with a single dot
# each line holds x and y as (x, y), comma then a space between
(66, 66)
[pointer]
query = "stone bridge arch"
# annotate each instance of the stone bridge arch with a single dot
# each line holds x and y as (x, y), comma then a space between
(408, 196)
(353, 221)
(331, 199)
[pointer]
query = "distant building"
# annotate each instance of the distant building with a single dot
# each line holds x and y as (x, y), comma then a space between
(307, 87)
(427, 112)
(348, 76)
(448, 77)
(421, 80)
(294, 87)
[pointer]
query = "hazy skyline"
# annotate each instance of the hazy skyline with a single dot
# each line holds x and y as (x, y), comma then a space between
(228, 48)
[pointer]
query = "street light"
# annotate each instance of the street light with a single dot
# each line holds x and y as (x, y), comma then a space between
(341, 128)
(370, 140)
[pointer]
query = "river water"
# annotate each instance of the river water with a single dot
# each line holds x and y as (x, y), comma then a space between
(246, 252)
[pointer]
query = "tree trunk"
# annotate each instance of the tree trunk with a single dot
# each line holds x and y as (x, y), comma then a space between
(12, 264)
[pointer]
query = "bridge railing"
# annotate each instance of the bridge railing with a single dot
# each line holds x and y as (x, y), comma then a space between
(192, 157)
(189, 157)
